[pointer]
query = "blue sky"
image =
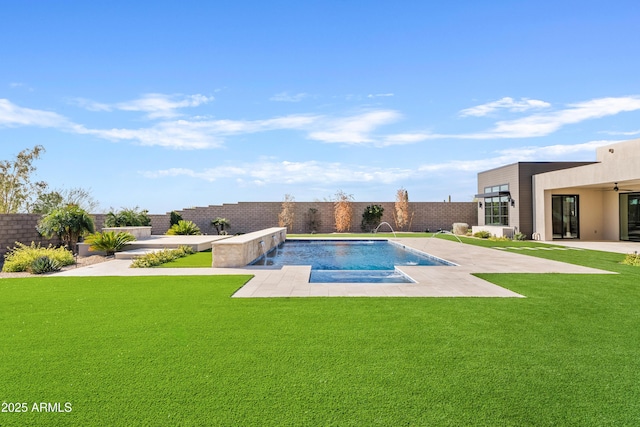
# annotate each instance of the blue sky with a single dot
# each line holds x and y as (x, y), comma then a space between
(167, 105)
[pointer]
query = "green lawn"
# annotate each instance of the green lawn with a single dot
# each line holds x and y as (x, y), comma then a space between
(180, 351)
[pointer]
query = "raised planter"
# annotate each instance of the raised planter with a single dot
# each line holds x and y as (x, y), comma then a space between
(238, 251)
(141, 232)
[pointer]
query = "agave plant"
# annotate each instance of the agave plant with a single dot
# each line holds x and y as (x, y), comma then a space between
(44, 264)
(109, 241)
(185, 228)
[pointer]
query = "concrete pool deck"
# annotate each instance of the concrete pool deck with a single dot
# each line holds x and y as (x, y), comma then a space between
(293, 281)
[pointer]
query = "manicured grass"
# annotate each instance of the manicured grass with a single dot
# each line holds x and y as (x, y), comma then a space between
(196, 260)
(180, 351)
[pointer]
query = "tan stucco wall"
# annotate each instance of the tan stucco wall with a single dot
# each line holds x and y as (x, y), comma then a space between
(599, 206)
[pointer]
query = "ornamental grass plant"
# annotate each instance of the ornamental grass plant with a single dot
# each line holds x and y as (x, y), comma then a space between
(22, 257)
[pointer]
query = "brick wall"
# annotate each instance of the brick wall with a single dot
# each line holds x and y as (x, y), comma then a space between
(246, 217)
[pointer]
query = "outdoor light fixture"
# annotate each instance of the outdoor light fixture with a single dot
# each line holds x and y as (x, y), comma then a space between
(480, 205)
(513, 203)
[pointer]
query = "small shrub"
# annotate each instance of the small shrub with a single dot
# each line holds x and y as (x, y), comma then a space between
(109, 241)
(519, 236)
(154, 259)
(127, 217)
(43, 265)
(371, 217)
(184, 228)
(632, 259)
(220, 224)
(482, 234)
(499, 239)
(174, 218)
(21, 257)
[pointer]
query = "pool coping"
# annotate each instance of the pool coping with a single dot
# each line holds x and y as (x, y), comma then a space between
(431, 281)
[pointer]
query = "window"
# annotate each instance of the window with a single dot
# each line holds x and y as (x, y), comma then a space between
(496, 211)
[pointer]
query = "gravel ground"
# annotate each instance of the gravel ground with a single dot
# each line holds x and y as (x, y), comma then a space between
(82, 262)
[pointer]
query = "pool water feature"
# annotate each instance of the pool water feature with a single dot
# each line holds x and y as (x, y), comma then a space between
(350, 261)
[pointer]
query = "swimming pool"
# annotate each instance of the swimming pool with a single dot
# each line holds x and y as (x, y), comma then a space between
(349, 261)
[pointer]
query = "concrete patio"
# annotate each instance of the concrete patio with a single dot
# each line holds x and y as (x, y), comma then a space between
(293, 281)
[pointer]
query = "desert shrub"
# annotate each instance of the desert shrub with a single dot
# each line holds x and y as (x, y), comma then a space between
(287, 215)
(402, 214)
(482, 234)
(343, 211)
(632, 259)
(371, 217)
(21, 257)
(44, 264)
(127, 217)
(174, 218)
(313, 220)
(184, 228)
(109, 241)
(153, 259)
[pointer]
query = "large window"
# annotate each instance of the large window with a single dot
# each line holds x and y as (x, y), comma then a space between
(565, 216)
(630, 217)
(496, 211)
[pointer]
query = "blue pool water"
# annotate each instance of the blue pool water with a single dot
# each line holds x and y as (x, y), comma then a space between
(349, 261)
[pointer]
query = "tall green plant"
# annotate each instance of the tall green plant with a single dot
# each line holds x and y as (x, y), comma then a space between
(174, 218)
(127, 217)
(220, 224)
(16, 187)
(69, 223)
(371, 217)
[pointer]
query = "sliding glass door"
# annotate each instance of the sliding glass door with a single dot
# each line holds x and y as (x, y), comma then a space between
(630, 217)
(565, 217)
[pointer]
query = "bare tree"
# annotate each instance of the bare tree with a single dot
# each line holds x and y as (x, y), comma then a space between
(402, 216)
(286, 216)
(343, 211)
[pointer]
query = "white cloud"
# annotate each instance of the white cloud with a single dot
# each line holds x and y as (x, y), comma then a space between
(90, 105)
(12, 115)
(505, 103)
(158, 105)
(155, 105)
(354, 129)
(310, 172)
(629, 133)
(380, 95)
(286, 97)
(18, 85)
(521, 154)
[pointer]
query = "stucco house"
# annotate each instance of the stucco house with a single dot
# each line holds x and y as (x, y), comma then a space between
(565, 200)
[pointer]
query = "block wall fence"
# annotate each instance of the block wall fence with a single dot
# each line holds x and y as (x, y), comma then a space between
(245, 217)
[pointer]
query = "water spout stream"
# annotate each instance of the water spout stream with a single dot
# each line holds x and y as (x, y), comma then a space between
(382, 223)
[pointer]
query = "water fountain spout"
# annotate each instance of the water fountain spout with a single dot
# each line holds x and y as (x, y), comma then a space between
(447, 232)
(264, 250)
(383, 223)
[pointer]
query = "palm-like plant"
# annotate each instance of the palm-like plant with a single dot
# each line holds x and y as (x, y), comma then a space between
(69, 223)
(127, 218)
(185, 228)
(219, 224)
(109, 241)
